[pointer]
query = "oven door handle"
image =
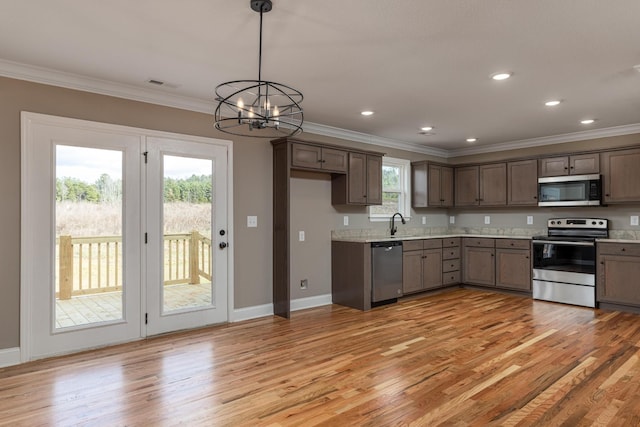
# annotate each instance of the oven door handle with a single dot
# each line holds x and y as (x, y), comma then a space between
(561, 242)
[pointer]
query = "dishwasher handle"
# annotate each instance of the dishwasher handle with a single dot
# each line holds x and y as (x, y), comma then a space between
(387, 245)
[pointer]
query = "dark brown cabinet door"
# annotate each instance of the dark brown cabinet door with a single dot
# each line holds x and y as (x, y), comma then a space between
(446, 187)
(431, 268)
(466, 185)
(578, 164)
(306, 156)
(479, 266)
(419, 183)
(618, 279)
(411, 271)
(621, 175)
(357, 178)
(583, 164)
(434, 185)
(522, 183)
(316, 157)
(493, 184)
(374, 180)
(553, 166)
(513, 269)
(334, 160)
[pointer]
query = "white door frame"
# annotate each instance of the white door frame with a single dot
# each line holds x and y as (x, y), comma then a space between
(26, 279)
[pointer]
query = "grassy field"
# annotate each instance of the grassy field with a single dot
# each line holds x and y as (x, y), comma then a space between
(82, 219)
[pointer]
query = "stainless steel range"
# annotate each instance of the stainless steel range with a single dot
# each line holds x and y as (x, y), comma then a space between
(564, 261)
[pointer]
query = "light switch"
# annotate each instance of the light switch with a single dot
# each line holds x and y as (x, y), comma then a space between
(529, 219)
(424, 220)
(487, 219)
(345, 220)
(301, 236)
(634, 219)
(252, 221)
(452, 220)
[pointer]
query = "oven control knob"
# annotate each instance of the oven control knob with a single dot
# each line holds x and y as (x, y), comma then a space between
(594, 223)
(553, 222)
(559, 222)
(601, 223)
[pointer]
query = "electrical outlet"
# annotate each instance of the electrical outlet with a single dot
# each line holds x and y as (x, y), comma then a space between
(487, 219)
(634, 220)
(452, 220)
(529, 219)
(424, 220)
(252, 221)
(304, 284)
(345, 220)
(301, 236)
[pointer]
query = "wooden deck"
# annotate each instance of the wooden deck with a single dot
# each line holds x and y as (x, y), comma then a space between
(459, 358)
(101, 307)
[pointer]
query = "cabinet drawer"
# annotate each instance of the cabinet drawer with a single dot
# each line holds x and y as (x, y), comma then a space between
(630, 249)
(450, 265)
(513, 243)
(432, 244)
(451, 278)
(451, 253)
(450, 242)
(479, 242)
(412, 245)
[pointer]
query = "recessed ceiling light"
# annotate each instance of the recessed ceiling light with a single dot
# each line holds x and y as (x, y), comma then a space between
(552, 103)
(501, 76)
(472, 139)
(587, 121)
(427, 128)
(367, 113)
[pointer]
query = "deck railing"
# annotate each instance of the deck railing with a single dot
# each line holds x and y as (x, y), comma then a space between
(87, 265)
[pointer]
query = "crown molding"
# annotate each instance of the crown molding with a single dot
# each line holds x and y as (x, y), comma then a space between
(366, 138)
(548, 140)
(48, 76)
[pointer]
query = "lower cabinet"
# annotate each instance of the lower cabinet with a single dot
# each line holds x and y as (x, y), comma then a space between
(618, 270)
(421, 265)
(451, 261)
(513, 264)
(479, 264)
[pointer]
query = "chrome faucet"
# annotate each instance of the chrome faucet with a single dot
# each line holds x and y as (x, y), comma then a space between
(393, 227)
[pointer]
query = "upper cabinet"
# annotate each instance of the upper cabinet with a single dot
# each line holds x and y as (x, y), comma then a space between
(362, 185)
(621, 175)
(432, 185)
(579, 164)
(522, 180)
(317, 157)
(484, 185)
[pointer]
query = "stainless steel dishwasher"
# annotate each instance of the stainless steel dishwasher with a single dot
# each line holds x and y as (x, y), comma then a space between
(386, 270)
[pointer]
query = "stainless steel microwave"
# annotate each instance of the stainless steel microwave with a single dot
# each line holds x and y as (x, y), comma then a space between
(570, 190)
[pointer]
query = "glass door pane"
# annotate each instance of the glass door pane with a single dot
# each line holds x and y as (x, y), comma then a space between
(89, 285)
(187, 224)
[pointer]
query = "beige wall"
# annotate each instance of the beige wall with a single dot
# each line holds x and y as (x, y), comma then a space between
(311, 208)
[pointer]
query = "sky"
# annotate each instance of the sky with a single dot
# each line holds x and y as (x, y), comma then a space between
(87, 164)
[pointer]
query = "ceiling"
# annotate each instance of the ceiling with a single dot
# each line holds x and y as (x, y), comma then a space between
(414, 63)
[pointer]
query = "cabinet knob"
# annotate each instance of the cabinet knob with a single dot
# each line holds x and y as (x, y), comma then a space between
(601, 262)
(535, 197)
(607, 195)
(624, 249)
(565, 168)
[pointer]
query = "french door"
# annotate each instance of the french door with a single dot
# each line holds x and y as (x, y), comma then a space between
(124, 234)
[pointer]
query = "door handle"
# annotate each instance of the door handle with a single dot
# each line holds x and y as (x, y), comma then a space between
(222, 245)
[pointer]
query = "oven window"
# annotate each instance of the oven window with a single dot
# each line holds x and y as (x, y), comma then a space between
(564, 191)
(564, 257)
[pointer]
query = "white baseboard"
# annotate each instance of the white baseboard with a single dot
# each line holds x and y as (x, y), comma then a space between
(310, 302)
(248, 313)
(9, 357)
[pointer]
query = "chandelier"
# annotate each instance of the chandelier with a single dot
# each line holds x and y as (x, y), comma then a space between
(258, 108)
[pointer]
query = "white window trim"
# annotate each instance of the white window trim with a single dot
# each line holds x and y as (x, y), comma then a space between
(405, 185)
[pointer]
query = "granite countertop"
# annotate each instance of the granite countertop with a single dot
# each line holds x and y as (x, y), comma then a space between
(371, 239)
(617, 241)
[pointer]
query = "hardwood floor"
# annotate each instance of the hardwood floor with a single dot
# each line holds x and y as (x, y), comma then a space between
(459, 358)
